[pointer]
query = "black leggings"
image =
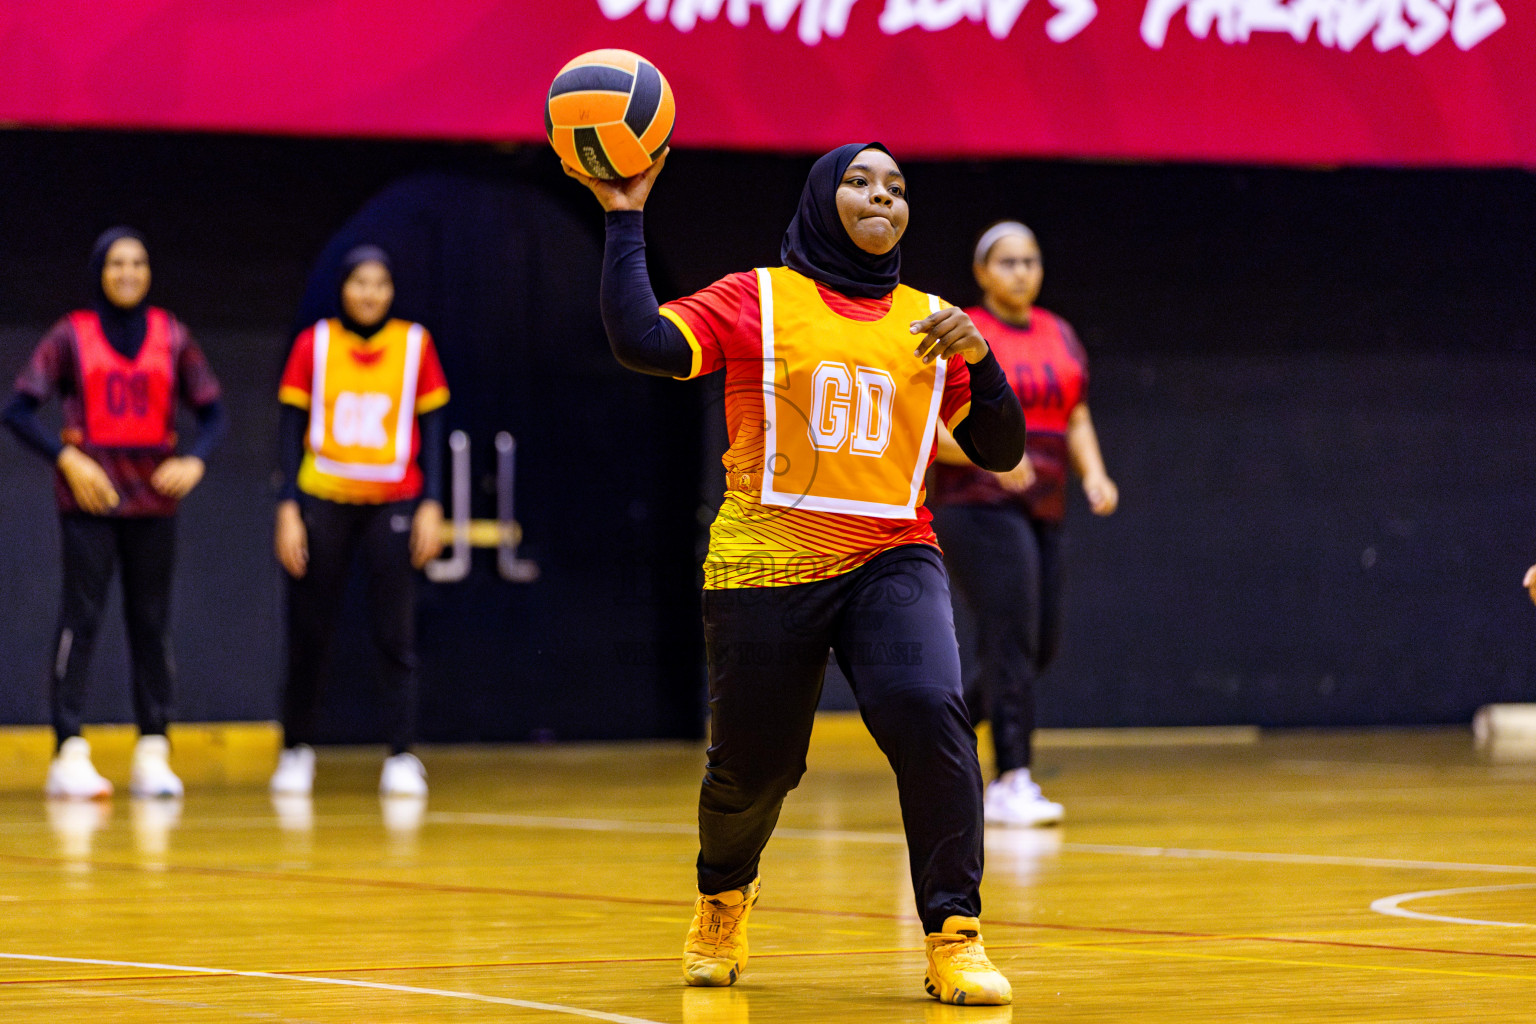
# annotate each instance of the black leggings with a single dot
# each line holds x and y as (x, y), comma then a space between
(889, 624)
(93, 546)
(336, 532)
(1006, 566)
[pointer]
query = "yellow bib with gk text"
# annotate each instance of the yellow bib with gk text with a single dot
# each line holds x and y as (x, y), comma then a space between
(363, 405)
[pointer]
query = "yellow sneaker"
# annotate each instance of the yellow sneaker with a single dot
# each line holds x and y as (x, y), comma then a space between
(716, 951)
(958, 969)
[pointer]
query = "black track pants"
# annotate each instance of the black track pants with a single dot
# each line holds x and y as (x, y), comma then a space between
(337, 533)
(889, 624)
(93, 547)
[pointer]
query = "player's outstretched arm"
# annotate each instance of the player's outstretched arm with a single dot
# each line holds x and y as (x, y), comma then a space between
(640, 337)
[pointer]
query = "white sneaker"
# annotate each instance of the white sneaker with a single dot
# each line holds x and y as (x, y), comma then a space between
(403, 775)
(1015, 800)
(152, 775)
(295, 773)
(71, 776)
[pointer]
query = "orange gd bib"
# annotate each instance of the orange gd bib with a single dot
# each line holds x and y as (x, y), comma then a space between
(850, 410)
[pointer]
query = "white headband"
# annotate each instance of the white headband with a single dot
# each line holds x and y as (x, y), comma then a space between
(997, 231)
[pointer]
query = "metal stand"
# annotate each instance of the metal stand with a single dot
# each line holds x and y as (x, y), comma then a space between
(462, 533)
(512, 568)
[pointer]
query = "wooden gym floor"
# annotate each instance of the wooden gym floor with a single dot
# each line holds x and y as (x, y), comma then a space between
(1296, 877)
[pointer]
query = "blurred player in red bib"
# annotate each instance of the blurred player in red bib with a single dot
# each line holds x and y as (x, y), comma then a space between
(119, 369)
(836, 378)
(360, 450)
(1001, 531)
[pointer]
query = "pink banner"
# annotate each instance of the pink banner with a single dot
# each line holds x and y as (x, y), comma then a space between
(1410, 82)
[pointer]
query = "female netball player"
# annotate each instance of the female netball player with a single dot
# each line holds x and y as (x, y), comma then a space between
(119, 369)
(360, 451)
(1001, 532)
(836, 377)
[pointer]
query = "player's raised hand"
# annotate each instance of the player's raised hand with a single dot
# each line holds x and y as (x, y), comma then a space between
(949, 332)
(1530, 582)
(621, 193)
(87, 481)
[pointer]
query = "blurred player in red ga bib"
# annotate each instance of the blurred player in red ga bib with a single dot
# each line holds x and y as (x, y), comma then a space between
(836, 377)
(119, 369)
(1001, 531)
(360, 453)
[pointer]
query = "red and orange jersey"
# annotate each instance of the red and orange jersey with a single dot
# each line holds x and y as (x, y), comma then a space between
(831, 420)
(1048, 369)
(120, 411)
(127, 403)
(363, 397)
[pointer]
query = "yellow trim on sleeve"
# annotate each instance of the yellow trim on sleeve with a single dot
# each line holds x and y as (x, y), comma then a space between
(290, 395)
(965, 410)
(432, 400)
(693, 343)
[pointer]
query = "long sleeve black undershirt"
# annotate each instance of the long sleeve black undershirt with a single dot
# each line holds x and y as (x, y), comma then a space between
(293, 422)
(641, 338)
(21, 417)
(434, 427)
(991, 435)
(212, 424)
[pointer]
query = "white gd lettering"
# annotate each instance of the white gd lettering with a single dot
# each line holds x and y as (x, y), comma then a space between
(357, 420)
(832, 393)
(875, 393)
(852, 408)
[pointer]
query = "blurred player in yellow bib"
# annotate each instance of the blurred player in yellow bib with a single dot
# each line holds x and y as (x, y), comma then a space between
(837, 376)
(360, 442)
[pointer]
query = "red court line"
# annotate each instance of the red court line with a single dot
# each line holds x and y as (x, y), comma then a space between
(478, 890)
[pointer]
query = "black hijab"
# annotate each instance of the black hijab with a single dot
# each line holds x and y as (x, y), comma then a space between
(356, 257)
(817, 245)
(124, 328)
